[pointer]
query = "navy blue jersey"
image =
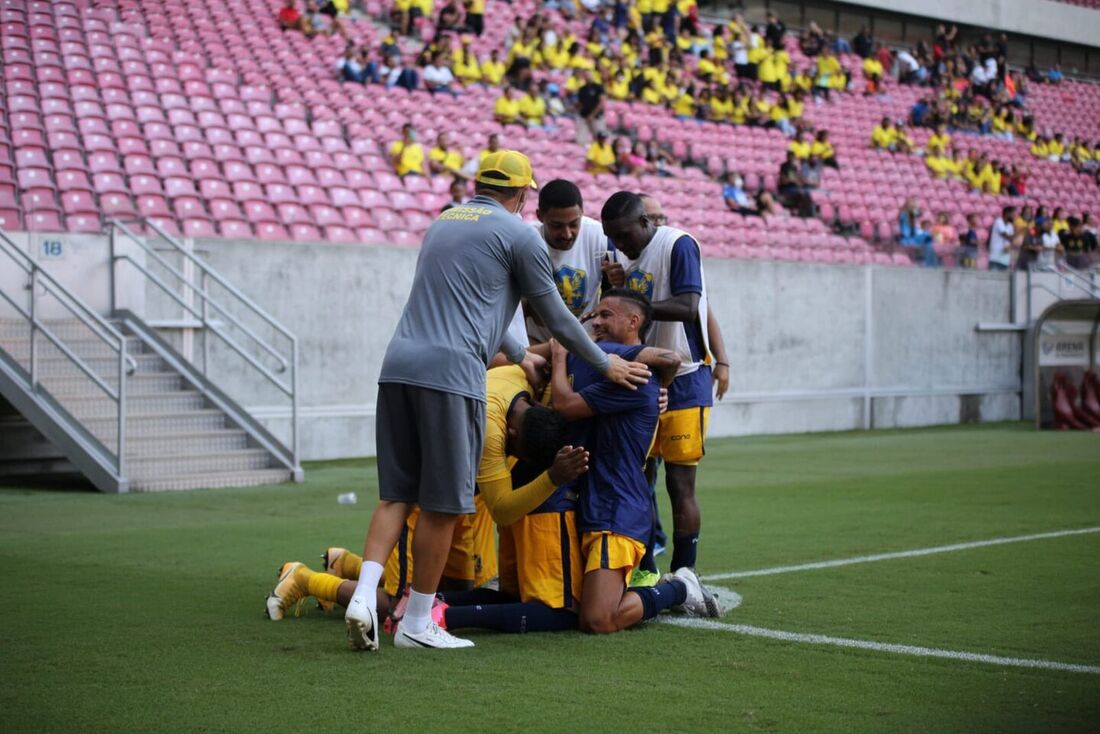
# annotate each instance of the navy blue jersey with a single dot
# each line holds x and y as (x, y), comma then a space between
(694, 389)
(614, 494)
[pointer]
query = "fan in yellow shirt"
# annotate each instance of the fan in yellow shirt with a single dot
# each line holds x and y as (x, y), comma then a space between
(445, 159)
(466, 67)
(884, 136)
(801, 147)
(824, 150)
(407, 155)
(492, 69)
(1041, 148)
(872, 75)
(506, 109)
(721, 106)
(938, 141)
(684, 106)
(532, 107)
(601, 156)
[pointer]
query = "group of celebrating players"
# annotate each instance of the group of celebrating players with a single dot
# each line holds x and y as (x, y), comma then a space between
(535, 381)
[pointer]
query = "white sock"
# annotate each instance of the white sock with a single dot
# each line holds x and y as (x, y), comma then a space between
(418, 613)
(369, 575)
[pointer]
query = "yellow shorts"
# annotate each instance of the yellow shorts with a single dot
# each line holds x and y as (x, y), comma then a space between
(540, 559)
(681, 435)
(473, 555)
(605, 549)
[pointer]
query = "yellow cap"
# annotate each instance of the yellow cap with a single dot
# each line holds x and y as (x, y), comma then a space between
(508, 168)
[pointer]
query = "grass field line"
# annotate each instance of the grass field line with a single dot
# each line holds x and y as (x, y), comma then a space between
(915, 553)
(925, 652)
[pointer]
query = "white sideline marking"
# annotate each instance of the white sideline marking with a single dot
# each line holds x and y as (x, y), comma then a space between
(926, 652)
(899, 554)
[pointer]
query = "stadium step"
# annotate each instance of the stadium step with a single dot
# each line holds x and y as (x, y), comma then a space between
(196, 442)
(98, 406)
(178, 464)
(251, 478)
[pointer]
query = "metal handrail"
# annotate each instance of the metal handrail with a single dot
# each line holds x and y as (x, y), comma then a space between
(92, 320)
(1078, 280)
(207, 303)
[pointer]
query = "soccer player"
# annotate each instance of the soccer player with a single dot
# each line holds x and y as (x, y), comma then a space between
(475, 263)
(577, 247)
(664, 264)
(615, 507)
(516, 426)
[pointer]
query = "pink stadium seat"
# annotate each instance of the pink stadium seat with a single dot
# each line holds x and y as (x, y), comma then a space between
(152, 205)
(271, 231)
(235, 229)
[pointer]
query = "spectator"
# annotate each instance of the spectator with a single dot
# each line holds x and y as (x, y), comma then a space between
(1079, 246)
(872, 75)
(438, 76)
(590, 105)
(1000, 240)
(555, 105)
(811, 171)
(532, 108)
(1016, 182)
(636, 162)
(506, 109)
(884, 136)
(919, 243)
(658, 158)
(793, 192)
(401, 75)
(1051, 249)
(475, 16)
(289, 18)
(909, 69)
(775, 31)
(824, 150)
(735, 196)
(492, 147)
(601, 156)
(968, 243)
(458, 194)
(493, 69)
(1055, 76)
(812, 40)
(766, 205)
(332, 10)
(445, 159)
(466, 67)
(907, 218)
(348, 67)
(406, 155)
(944, 235)
(800, 147)
(864, 43)
(449, 18)
(1059, 221)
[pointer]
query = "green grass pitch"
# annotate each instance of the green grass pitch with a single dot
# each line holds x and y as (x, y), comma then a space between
(145, 612)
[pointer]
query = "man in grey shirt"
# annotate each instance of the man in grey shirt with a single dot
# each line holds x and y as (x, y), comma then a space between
(476, 262)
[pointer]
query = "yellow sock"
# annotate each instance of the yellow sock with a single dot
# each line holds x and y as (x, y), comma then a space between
(353, 564)
(323, 586)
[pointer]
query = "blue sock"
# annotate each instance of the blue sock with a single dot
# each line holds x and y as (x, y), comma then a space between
(515, 618)
(662, 596)
(684, 550)
(476, 596)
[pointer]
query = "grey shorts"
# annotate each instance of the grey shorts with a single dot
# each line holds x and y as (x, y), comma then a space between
(429, 446)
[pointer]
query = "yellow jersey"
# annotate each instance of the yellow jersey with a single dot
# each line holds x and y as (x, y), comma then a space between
(410, 158)
(600, 157)
(506, 110)
(1040, 149)
(938, 143)
(450, 159)
(802, 150)
(872, 67)
(493, 71)
(824, 151)
(882, 137)
(532, 110)
(684, 105)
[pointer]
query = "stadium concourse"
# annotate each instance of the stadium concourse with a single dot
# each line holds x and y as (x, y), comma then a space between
(208, 119)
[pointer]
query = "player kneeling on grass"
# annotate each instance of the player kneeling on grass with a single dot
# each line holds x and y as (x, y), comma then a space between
(615, 510)
(516, 426)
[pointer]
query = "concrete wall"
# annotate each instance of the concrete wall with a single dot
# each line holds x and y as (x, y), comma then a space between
(812, 347)
(1040, 18)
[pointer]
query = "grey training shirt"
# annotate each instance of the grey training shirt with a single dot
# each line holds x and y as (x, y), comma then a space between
(476, 261)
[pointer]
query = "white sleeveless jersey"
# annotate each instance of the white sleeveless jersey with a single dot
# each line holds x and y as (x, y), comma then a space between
(577, 273)
(651, 275)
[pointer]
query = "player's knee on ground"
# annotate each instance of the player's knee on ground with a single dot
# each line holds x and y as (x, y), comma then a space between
(599, 621)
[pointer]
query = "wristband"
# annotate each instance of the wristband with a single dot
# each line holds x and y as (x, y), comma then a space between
(721, 364)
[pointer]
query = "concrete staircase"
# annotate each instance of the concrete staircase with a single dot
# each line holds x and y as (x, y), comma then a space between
(176, 438)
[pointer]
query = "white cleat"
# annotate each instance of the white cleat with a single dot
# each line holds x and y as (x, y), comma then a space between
(432, 637)
(700, 601)
(362, 621)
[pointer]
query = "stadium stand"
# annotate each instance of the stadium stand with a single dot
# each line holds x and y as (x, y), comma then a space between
(208, 119)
